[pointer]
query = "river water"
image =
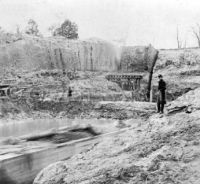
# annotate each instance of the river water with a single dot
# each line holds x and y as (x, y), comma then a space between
(32, 127)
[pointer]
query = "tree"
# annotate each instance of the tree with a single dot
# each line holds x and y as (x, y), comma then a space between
(196, 33)
(32, 28)
(67, 29)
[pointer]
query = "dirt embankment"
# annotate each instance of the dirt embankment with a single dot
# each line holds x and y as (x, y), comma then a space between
(45, 94)
(41, 66)
(20, 55)
(180, 68)
(165, 149)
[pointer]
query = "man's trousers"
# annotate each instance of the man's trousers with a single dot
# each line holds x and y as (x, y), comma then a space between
(161, 101)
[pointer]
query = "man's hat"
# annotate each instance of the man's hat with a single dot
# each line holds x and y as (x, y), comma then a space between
(160, 76)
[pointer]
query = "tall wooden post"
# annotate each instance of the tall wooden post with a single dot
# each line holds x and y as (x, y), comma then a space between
(151, 96)
(139, 83)
(135, 84)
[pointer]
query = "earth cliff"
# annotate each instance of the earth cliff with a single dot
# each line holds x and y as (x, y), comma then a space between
(43, 69)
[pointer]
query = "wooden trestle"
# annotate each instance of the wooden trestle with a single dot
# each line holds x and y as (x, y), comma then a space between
(126, 81)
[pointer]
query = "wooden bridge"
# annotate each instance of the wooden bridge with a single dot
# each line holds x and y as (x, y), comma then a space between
(126, 81)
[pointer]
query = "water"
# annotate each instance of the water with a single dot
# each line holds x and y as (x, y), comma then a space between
(18, 170)
(33, 127)
(28, 127)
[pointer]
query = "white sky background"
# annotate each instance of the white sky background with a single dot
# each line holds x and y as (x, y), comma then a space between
(139, 22)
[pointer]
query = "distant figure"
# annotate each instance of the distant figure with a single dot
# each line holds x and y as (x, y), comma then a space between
(161, 95)
(69, 92)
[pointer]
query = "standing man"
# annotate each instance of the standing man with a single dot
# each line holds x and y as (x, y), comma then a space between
(161, 94)
(69, 93)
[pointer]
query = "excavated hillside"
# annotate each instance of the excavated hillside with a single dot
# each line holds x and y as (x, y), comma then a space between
(47, 67)
(164, 149)
(158, 149)
(180, 68)
(43, 69)
(29, 53)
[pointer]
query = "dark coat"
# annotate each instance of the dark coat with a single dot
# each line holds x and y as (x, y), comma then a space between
(161, 89)
(69, 92)
(161, 85)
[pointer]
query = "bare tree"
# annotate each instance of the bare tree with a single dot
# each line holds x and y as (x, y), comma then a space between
(179, 42)
(196, 32)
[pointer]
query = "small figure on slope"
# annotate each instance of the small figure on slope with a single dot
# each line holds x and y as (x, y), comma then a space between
(161, 101)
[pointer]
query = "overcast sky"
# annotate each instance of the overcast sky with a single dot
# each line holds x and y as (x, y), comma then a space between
(137, 22)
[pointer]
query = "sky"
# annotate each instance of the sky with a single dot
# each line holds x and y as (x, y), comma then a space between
(128, 22)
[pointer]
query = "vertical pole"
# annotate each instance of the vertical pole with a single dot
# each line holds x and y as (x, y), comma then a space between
(139, 84)
(132, 95)
(151, 95)
(122, 85)
(135, 84)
